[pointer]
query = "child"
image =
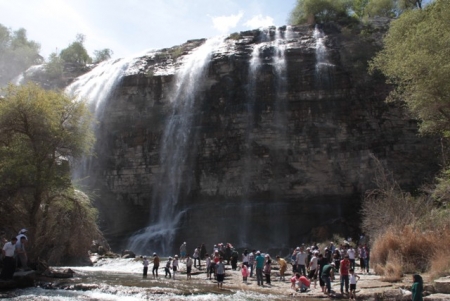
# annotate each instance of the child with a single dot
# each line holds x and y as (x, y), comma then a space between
(244, 271)
(168, 267)
(220, 272)
(174, 266)
(188, 266)
(353, 279)
(145, 263)
(208, 266)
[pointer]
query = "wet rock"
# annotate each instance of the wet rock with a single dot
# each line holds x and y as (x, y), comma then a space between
(128, 254)
(8, 284)
(25, 278)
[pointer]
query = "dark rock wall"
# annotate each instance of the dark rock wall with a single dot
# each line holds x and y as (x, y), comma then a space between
(289, 168)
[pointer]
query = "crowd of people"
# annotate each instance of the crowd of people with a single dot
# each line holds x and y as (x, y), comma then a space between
(14, 255)
(309, 264)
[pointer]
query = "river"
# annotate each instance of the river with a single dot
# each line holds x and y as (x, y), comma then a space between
(121, 279)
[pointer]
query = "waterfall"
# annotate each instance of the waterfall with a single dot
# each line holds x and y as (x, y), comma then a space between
(323, 66)
(31, 71)
(175, 147)
(269, 51)
(95, 87)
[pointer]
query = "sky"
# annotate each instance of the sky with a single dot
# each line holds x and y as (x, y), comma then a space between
(132, 26)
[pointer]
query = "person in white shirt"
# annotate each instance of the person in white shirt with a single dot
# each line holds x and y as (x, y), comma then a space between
(312, 275)
(174, 266)
(300, 261)
(9, 263)
(351, 256)
(145, 263)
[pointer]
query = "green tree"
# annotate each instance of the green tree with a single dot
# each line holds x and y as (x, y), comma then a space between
(54, 67)
(76, 53)
(382, 8)
(314, 11)
(102, 55)
(416, 59)
(39, 132)
(359, 7)
(17, 53)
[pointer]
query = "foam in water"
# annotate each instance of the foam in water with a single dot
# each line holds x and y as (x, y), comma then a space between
(175, 147)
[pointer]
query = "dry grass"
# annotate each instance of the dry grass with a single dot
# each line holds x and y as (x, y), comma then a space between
(411, 250)
(410, 234)
(393, 269)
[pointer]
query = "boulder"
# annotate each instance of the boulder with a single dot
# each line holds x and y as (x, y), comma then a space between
(437, 297)
(442, 285)
(24, 278)
(128, 254)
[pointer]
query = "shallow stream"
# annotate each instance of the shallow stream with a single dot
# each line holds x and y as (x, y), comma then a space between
(121, 279)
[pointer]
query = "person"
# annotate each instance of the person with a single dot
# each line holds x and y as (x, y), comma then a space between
(283, 267)
(300, 261)
(174, 265)
(203, 253)
(304, 284)
(367, 259)
(362, 258)
(251, 261)
(220, 272)
(327, 274)
(417, 288)
(226, 251)
(343, 272)
(196, 257)
(168, 267)
(21, 253)
(244, 271)
(300, 283)
(22, 234)
(188, 266)
(337, 258)
(353, 279)
(215, 261)
(245, 257)
(155, 265)
(208, 266)
(267, 268)
(312, 275)
(294, 260)
(234, 259)
(183, 249)
(259, 268)
(145, 263)
(351, 256)
(9, 263)
(321, 262)
(295, 282)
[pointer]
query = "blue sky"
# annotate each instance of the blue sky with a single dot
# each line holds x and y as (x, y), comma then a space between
(132, 26)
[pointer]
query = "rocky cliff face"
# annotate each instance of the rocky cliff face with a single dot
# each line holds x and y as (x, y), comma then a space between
(284, 128)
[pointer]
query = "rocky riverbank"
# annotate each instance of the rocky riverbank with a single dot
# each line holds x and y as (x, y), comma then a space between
(369, 287)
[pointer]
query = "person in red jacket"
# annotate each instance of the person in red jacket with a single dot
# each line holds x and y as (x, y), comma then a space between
(344, 268)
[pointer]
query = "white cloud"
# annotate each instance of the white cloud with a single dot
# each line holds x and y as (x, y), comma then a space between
(225, 23)
(259, 21)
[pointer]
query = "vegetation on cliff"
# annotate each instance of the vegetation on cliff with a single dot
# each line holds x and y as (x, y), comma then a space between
(17, 53)
(39, 132)
(343, 11)
(411, 233)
